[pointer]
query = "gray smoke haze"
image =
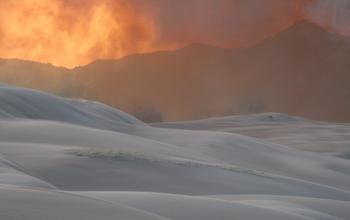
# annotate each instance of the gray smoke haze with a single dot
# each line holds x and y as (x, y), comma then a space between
(330, 14)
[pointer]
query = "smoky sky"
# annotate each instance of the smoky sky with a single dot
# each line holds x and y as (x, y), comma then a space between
(76, 32)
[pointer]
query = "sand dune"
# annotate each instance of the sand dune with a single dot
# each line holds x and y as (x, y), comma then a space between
(67, 159)
(335, 208)
(31, 104)
(25, 203)
(319, 137)
(12, 174)
(189, 207)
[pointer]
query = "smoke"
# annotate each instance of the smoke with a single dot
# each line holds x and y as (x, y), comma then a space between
(76, 32)
(334, 15)
(70, 33)
(224, 23)
(301, 71)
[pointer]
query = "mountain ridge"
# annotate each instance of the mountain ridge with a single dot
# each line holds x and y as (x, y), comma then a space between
(301, 71)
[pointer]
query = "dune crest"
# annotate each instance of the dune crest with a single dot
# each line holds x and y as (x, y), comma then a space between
(91, 161)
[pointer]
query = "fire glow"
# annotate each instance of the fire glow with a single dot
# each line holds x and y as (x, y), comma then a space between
(76, 32)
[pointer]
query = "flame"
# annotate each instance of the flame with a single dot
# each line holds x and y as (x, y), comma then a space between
(70, 33)
(76, 32)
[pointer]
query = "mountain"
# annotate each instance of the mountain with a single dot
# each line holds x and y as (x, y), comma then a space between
(304, 71)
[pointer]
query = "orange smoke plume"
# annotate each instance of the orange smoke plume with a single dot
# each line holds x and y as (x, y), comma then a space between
(70, 33)
(76, 32)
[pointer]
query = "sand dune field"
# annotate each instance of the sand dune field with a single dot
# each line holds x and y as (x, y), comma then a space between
(71, 159)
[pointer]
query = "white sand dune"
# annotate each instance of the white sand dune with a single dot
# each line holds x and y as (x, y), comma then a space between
(68, 156)
(40, 152)
(12, 174)
(21, 103)
(255, 154)
(190, 207)
(340, 209)
(25, 203)
(320, 137)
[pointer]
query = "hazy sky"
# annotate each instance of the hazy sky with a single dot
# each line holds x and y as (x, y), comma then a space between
(76, 32)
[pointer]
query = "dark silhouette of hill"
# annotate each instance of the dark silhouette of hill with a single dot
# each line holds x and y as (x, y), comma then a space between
(185, 84)
(303, 71)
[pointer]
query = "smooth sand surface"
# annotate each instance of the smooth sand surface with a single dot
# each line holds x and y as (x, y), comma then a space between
(319, 137)
(190, 207)
(25, 203)
(340, 209)
(68, 159)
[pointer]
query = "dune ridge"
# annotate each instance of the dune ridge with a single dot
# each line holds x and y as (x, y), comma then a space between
(68, 159)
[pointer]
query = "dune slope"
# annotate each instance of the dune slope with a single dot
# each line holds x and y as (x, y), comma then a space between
(68, 159)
